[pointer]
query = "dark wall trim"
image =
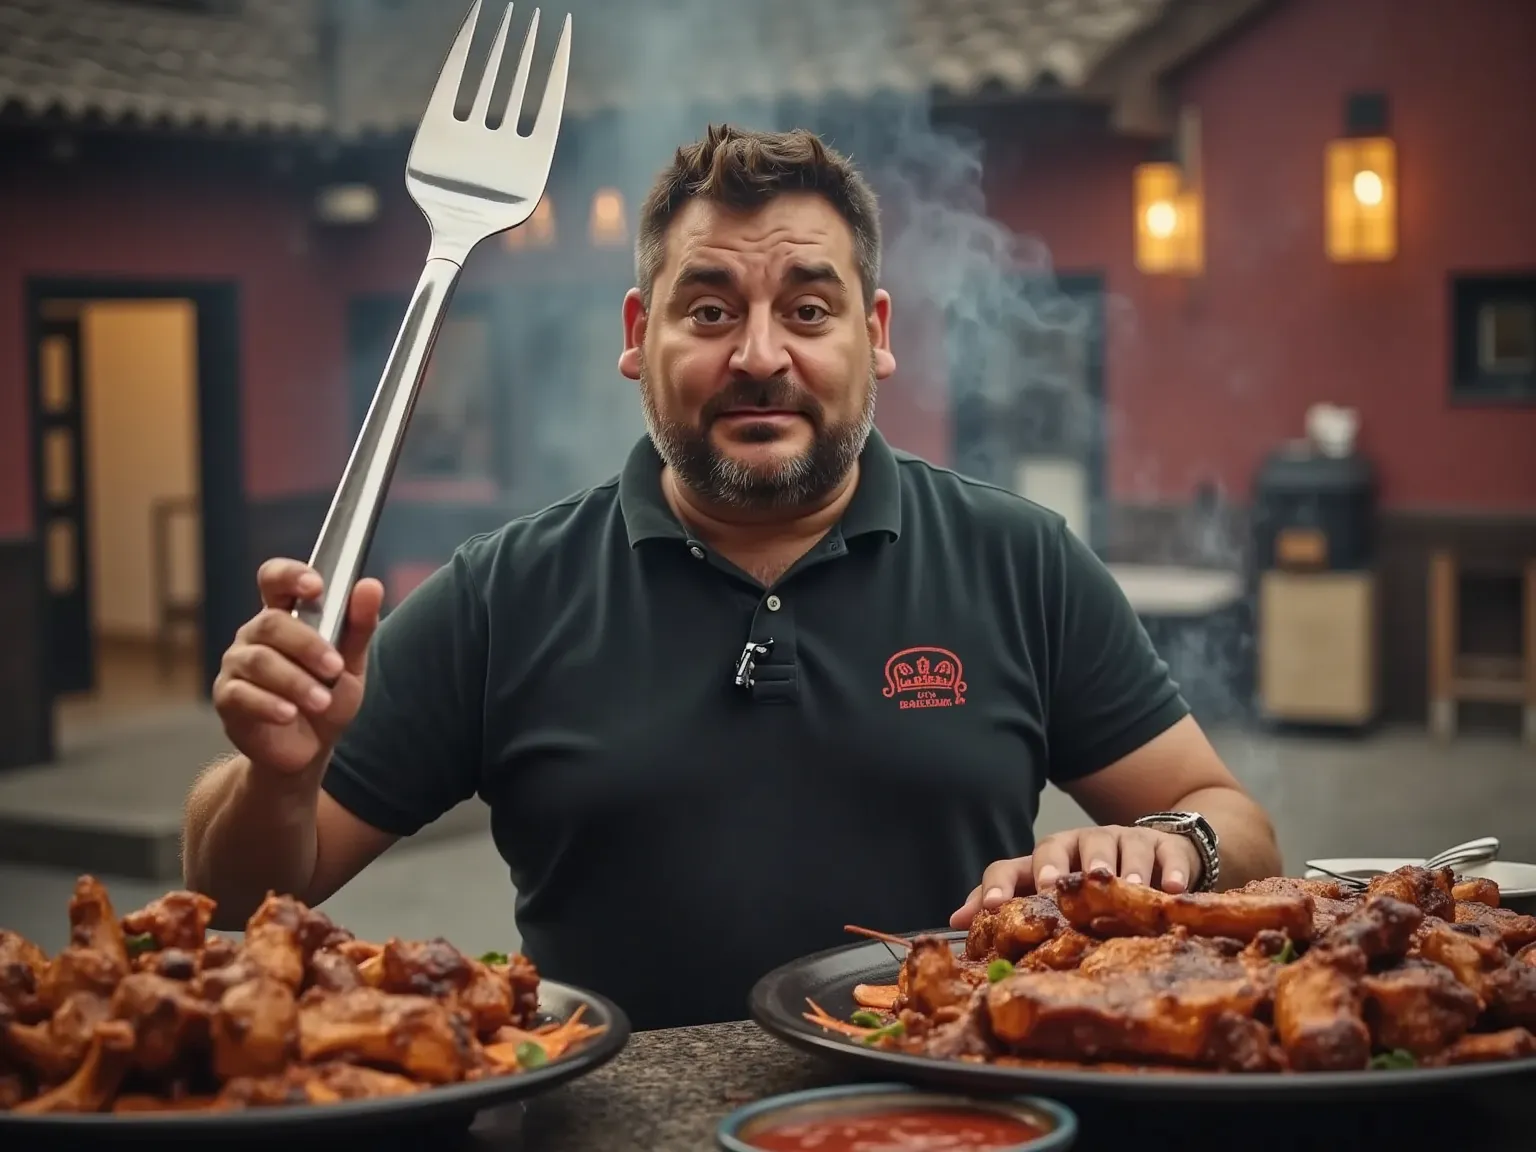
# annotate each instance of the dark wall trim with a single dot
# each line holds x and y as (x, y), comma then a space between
(221, 460)
(26, 727)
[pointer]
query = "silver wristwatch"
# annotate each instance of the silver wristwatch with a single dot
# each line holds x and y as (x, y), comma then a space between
(1197, 829)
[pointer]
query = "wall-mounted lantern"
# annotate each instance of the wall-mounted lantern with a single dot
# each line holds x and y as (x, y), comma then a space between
(538, 231)
(1170, 231)
(1361, 174)
(607, 228)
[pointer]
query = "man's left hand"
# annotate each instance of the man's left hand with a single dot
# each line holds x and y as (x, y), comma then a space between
(1138, 855)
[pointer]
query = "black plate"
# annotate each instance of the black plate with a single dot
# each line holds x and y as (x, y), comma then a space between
(450, 1104)
(829, 977)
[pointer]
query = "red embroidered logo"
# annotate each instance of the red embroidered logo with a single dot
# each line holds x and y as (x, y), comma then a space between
(924, 678)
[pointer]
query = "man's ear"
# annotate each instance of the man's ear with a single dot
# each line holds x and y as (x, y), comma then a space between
(635, 319)
(879, 320)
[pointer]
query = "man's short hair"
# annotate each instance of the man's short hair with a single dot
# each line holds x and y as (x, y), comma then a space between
(742, 169)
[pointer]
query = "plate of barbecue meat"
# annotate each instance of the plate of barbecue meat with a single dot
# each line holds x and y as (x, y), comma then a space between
(1286, 986)
(147, 1024)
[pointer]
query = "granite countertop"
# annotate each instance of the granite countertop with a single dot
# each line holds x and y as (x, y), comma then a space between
(669, 1089)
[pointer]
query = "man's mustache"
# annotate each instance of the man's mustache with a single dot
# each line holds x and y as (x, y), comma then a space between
(778, 393)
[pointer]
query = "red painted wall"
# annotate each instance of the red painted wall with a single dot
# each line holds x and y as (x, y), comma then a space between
(1204, 378)
(71, 220)
(68, 221)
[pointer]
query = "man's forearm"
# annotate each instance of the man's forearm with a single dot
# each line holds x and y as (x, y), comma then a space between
(1248, 847)
(249, 832)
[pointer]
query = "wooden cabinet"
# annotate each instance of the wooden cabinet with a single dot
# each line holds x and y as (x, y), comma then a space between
(1319, 647)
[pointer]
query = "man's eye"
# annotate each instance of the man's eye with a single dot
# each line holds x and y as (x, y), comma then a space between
(709, 313)
(810, 313)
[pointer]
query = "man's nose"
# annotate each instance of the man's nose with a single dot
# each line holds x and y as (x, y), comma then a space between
(762, 352)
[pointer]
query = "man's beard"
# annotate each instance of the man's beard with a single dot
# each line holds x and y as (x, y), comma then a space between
(714, 476)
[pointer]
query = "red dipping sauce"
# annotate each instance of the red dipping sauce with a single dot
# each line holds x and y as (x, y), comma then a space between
(921, 1129)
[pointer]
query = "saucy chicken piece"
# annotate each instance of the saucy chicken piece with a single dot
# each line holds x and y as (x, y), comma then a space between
(415, 1035)
(1509, 995)
(96, 957)
(1476, 890)
(1429, 892)
(1465, 949)
(1015, 927)
(316, 1084)
(955, 1033)
(1061, 953)
(1174, 998)
(1381, 928)
(1418, 1007)
(170, 1023)
(936, 979)
(169, 963)
(492, 996)
(22, 964)
(54, 1048)
(175, 920)
(1102, 903)
(1319, 1011)
(1487, 1047)
(107, 1061)
(1067, 1015)
(1511, 929)
(329, 971)
(1330, 902)
(255, 1028)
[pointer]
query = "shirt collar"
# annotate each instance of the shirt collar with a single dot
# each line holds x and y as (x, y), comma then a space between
(875, 507)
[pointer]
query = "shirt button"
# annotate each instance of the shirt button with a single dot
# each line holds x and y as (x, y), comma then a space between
(774, 603)
(698, 553)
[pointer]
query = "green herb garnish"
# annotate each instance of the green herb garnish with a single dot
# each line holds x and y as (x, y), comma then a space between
(531, 1055)
(1286, 954)
(879, 1034)
(998, 969)
(494, 958)
(864, 1018)
(1397, 1058)
(143, 942)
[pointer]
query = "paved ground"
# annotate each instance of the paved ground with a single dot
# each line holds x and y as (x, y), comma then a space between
(1394, 793)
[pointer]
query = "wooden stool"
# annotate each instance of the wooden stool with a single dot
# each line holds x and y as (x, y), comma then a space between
(1455, 676)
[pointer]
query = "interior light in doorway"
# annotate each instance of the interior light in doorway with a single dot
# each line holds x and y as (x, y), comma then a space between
(1361, 185)
(538, 231)
(607, 227)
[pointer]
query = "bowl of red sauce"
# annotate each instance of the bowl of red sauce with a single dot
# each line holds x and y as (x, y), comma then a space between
(897, 1118)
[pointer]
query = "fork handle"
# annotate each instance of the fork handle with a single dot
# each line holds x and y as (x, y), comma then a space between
(348, 530)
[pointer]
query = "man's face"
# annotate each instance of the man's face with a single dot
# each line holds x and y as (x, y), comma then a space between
(758, 357)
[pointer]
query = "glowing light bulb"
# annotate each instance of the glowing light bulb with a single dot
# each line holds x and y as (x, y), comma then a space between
(1162, 219)
(1368, 188)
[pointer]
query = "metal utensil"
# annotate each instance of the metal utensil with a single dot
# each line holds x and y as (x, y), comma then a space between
(471, 182)
(1478, 851)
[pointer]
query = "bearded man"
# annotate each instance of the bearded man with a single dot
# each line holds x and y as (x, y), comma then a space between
(774, 677)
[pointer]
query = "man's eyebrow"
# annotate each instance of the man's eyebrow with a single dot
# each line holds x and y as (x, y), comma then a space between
(801, 274)
(702, 275)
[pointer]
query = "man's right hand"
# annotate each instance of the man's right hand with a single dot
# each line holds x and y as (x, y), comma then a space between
(271, 689)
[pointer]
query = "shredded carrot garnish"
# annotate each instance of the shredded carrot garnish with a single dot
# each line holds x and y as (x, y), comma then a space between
(824, 1019)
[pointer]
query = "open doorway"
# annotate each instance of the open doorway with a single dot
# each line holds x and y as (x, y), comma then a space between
(135, 440)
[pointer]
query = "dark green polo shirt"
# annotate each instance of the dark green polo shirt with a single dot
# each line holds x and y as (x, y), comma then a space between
(936, 659)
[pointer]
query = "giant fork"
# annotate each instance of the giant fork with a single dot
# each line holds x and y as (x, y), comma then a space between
(471, 181)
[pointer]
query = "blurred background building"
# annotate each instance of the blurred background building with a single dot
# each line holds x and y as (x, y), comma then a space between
(1133, 245)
